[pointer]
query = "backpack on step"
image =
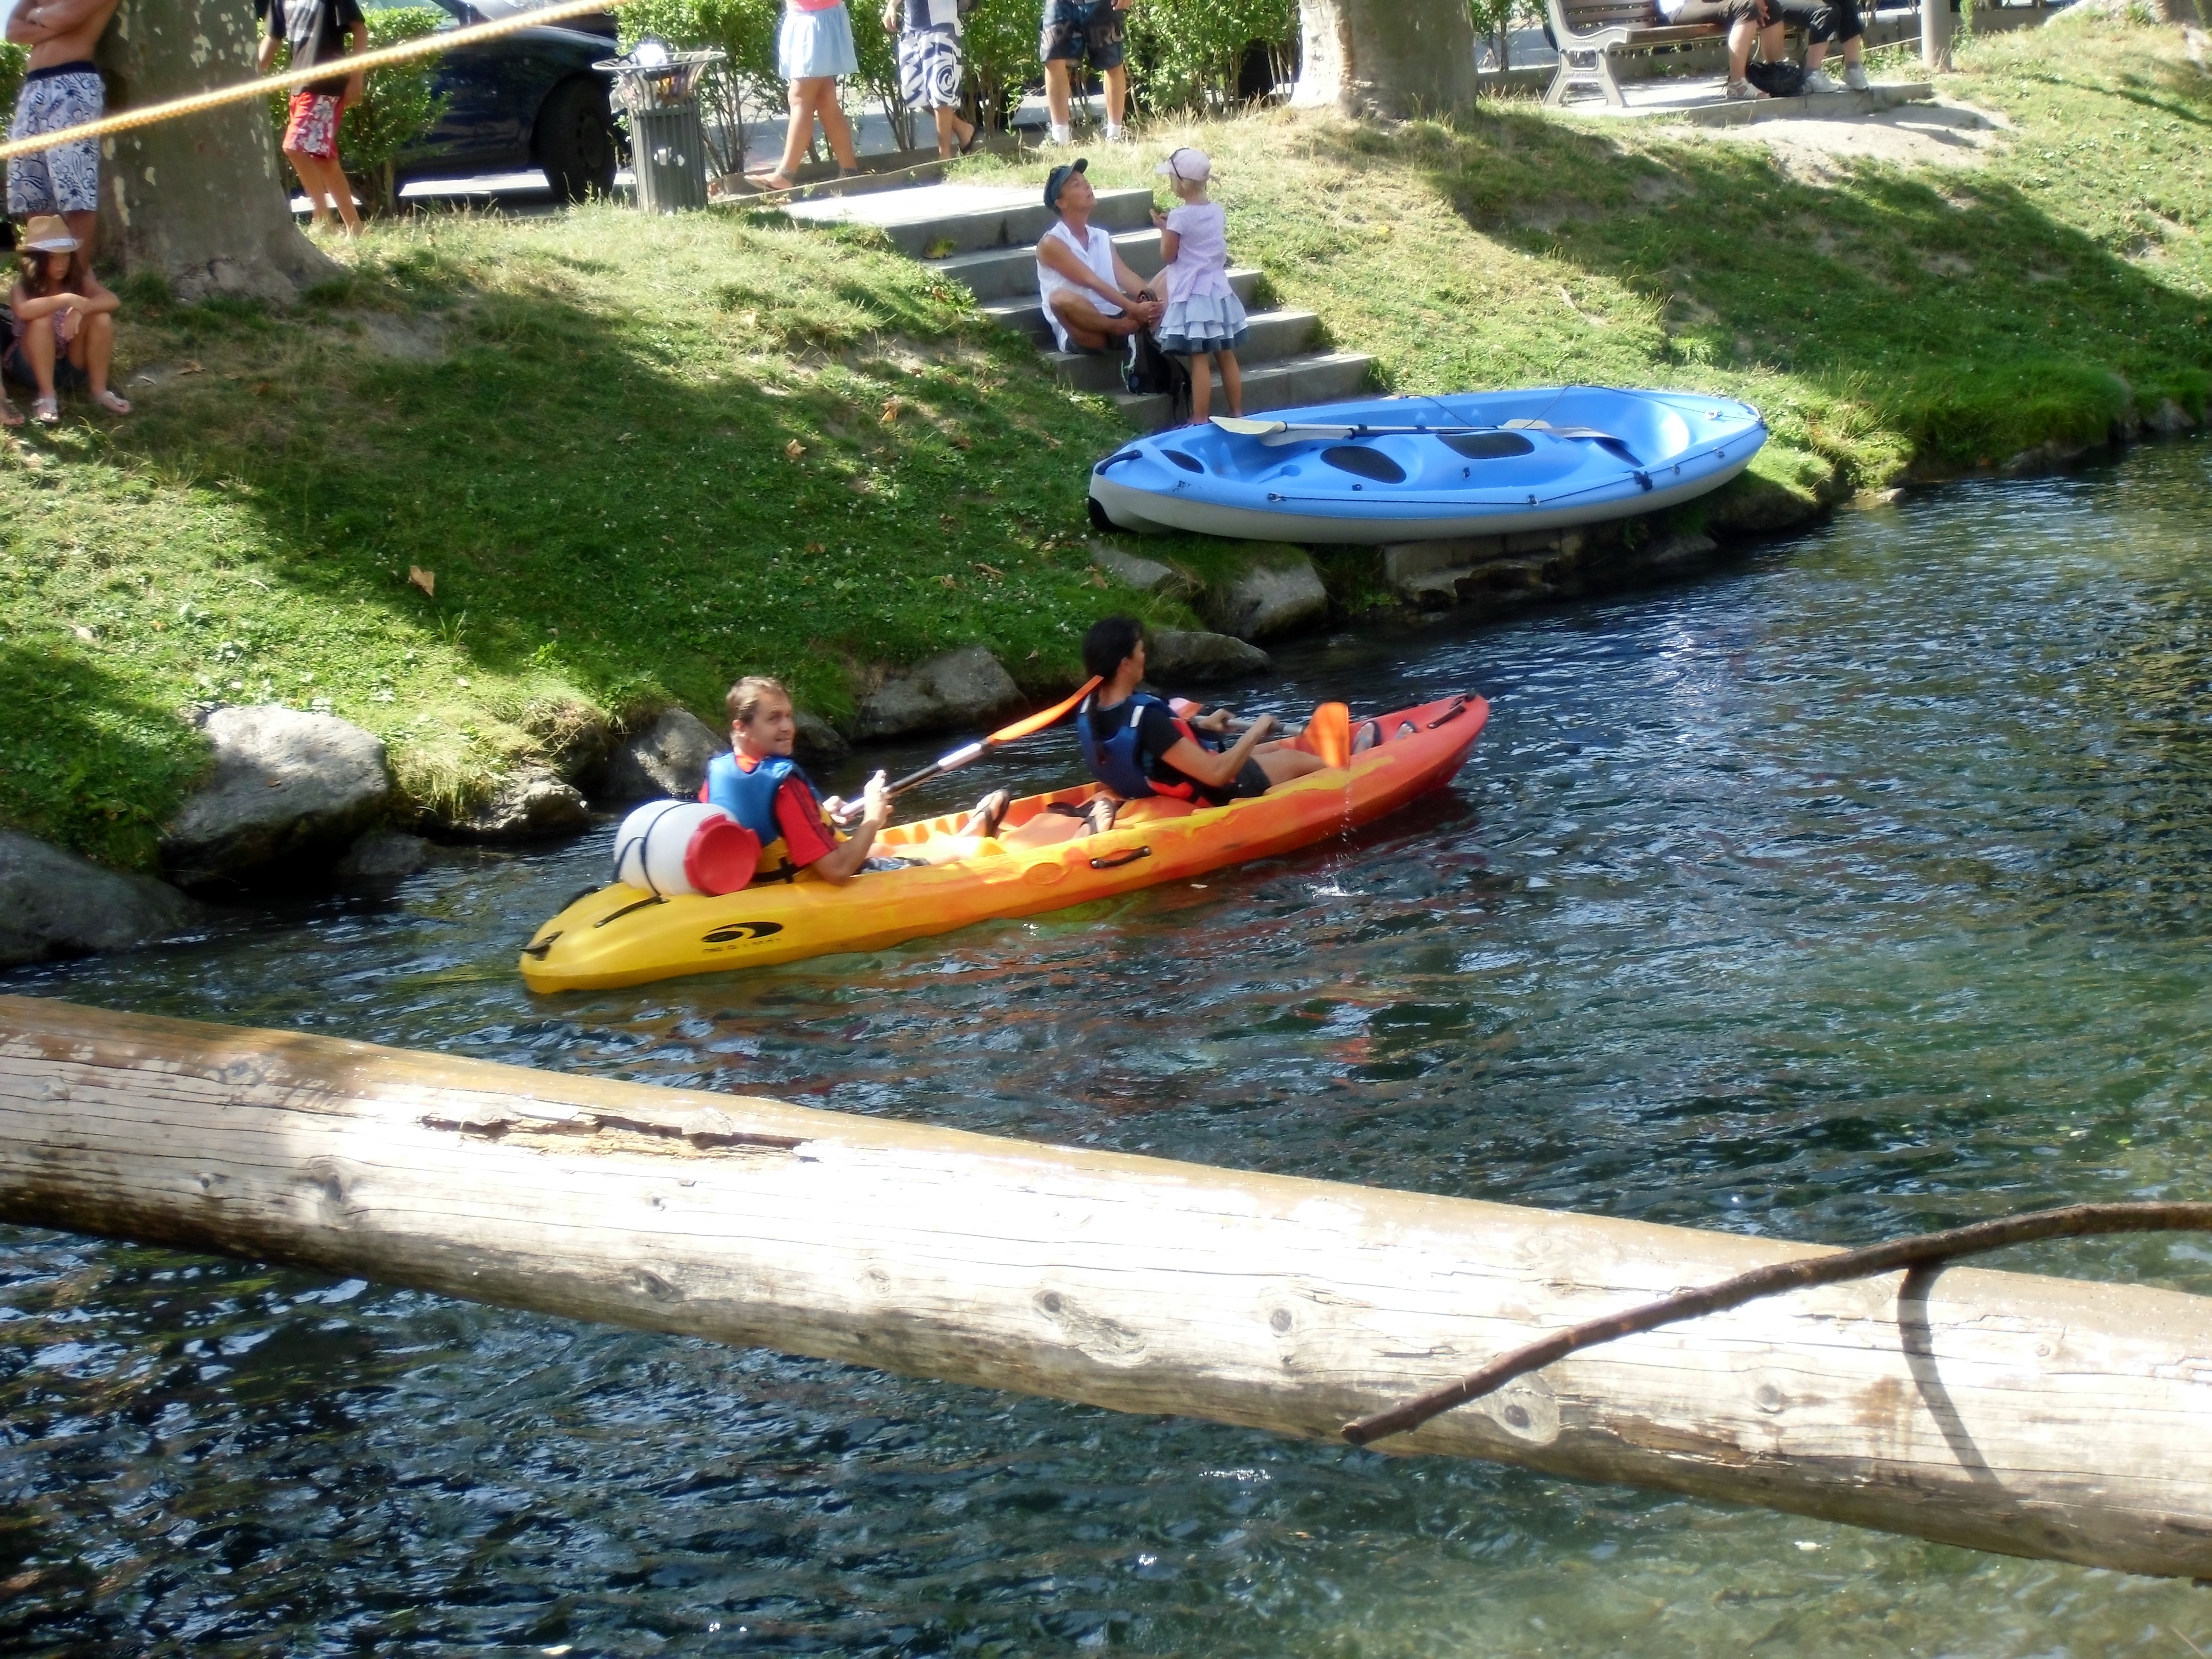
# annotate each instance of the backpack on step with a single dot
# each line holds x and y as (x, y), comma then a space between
(1147, 370)
(1783, 80)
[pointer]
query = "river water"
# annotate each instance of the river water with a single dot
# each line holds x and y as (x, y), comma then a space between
(1855, 891)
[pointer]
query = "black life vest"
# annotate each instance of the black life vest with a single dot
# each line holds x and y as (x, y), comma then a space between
(1118, 759)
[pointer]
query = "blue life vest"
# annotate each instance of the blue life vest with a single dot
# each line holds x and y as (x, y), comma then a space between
(1118, 760)
(749, 797)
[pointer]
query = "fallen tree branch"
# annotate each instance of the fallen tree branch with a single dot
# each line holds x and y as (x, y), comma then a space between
(1922, 1250)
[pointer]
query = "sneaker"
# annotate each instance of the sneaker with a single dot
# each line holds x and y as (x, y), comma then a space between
(1742, 92)
(1855, 78)
(1117, 135)
(1821, 81)
(1056, 134)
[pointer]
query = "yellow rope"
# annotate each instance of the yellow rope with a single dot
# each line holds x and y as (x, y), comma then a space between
(261, 87)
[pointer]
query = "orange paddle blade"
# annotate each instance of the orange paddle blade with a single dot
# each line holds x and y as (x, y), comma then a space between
(1042, 718)
(1329, 733)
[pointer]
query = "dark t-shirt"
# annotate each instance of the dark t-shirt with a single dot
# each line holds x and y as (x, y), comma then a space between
(1158, 732)
(316, 32)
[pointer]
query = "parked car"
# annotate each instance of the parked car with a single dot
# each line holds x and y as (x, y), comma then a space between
(527, 99)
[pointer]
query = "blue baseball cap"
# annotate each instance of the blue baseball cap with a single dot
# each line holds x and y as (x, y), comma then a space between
(1059, 179)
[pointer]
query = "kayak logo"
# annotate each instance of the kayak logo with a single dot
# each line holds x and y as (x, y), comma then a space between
(739, 932)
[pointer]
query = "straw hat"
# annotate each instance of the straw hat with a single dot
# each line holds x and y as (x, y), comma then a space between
(49, 233)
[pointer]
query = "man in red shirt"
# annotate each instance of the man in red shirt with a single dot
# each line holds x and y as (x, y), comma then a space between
(759, 786)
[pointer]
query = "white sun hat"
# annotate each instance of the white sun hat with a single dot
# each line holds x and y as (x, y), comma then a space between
(1191, 166)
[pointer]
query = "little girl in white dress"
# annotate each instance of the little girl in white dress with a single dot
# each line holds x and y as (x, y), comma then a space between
(1204, 318)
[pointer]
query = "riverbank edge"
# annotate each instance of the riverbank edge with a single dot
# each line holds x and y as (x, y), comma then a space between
(365, 834)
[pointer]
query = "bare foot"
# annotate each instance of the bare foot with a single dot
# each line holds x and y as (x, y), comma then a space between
(769, 181)
(9, 415)
(108, 401)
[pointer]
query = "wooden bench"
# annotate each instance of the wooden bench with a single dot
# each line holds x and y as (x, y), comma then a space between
(1587, 32)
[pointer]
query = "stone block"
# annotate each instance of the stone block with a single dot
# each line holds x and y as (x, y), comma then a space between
(53, 903)
(1279, 593)
(1175, 656)
(288, 789)
(668, 757)
(963, 688)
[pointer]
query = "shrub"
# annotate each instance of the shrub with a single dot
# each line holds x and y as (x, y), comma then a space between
(999, 41)
(1188, 54)
(744, 32)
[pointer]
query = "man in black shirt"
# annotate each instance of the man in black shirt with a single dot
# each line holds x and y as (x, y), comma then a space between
(318, 32)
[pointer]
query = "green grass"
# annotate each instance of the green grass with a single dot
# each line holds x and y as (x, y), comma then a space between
(585, 426)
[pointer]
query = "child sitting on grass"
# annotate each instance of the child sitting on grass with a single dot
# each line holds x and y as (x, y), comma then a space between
(1204, 318)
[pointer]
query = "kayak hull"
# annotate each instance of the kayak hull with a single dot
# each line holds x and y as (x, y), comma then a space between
(619, 935)
(1528, 460)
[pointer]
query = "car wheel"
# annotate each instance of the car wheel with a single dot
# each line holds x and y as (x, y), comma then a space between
(575, 139)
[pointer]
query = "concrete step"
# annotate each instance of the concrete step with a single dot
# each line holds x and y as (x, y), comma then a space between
(1003, 273)
(1025, 315)
(933, 221)
(1275, 335)
(1319, 377)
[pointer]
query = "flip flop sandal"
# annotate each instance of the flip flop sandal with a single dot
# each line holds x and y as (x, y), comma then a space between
(990, 813)
(47, 412)
(1370, 734)
(974, 138)
(1101, 814)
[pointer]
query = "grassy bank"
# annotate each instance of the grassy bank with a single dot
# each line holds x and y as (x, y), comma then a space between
(641, 456)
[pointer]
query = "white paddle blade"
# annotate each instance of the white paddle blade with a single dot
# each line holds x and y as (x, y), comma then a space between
(1245, 426)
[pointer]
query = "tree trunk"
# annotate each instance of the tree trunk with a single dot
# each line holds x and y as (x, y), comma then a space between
(2034, 1416)
(1393, 59)
(203, 201)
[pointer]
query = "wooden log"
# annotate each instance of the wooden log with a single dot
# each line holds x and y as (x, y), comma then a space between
(2030, 1415)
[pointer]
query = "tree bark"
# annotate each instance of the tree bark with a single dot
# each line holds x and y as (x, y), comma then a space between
(2029, 1415)
(203, 201)
(1396, 59)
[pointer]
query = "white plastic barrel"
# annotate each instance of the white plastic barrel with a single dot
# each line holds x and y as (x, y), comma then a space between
(679, 847)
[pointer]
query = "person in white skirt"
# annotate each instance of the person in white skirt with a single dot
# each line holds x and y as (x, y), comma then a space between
(1204, 320)
(814, 47)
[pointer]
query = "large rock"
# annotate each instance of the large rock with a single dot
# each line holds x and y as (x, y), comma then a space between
(54, 903)
(669, 757)
(818, 743)
(289, 790)
(1280, 594)
(1145, 576)
(2169, 417)
(382, 856)
(1176, 656)
(530, 804)
(969, 687)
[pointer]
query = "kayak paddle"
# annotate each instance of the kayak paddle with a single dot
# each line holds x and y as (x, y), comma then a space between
(1028, 726)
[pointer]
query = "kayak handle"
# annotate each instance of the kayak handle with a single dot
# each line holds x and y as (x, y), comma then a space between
(540, 948)
(657, 898)
(1115, 861)
(1458, 707)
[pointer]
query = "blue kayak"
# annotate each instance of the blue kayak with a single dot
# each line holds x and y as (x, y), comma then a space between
(1419, 469)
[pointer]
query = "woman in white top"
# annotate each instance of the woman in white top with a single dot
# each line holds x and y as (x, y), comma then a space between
(1204, 318)
(1090, 297)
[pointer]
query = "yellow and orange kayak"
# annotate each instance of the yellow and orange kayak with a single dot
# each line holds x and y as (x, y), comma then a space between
(619, 935)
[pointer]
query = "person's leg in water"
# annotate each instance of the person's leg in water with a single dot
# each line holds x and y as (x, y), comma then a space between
(92, 351)
(1202, 386)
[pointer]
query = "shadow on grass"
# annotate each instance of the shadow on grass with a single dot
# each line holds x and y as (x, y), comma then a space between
(91, 762)
(1952, 306)
(601, 498)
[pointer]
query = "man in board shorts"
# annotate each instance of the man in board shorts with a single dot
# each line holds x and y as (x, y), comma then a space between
(314, 33)
(1080, 31)
(61, 89)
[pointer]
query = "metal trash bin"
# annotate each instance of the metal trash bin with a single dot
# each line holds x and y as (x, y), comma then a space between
(658, 89)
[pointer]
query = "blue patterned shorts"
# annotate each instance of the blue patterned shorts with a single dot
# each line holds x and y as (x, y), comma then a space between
(66, 178)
